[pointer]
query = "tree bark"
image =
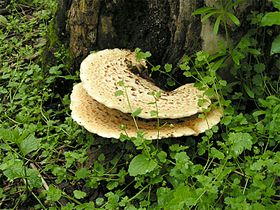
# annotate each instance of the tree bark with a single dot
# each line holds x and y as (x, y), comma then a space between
(166, 28)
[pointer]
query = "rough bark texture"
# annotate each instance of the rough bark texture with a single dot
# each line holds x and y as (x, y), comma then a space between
(166, 27)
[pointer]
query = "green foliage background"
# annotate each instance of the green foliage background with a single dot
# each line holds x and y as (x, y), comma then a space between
(47, 161)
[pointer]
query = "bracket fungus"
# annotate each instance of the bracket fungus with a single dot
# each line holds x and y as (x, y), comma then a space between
(95, 106)
(101, 73)
(99, 119)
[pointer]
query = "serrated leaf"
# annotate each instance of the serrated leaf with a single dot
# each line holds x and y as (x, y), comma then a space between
(29, 144)
(78, 194)
(275, 47)
(271, 18)
(239, 142)
(136, 112)
(140, 165)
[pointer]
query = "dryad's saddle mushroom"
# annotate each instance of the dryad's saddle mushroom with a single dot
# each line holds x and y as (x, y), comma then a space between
(95, 106)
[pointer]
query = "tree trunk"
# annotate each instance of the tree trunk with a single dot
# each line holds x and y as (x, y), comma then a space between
(166, 28)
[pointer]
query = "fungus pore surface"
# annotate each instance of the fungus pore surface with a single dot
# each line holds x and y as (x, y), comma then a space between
(112, 71)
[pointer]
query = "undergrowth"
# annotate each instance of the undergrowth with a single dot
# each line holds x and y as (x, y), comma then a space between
(47, 161)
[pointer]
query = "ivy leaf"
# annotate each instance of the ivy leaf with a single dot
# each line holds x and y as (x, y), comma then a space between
(239, 142)
(275, 47)
(140, 165)
(79, 194)
(136, 112)
(271, 18)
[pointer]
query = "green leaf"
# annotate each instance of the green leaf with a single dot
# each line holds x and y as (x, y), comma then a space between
(249, 91)
(79, 194)
(259, 67)
(120, 83)
(154, 113)
(168, 67)
(233, 18)
(276, 4)
(271, 18)
(170, 82)
(223, 83)
(29, 144)
(13, 169)
(119, 93)
(239, 142)
(207, 16)
(141, 55)
(275, 47)
(155, 68)
(53, 194)
(136, 112)
(203, 10)
(140, 165)
(82, 173)
(162, 156)
(3, 20)
(85, 206)
(217, 24)
(217, 154)
(33, 179)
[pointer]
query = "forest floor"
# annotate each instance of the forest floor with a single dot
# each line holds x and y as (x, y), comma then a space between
(47, 161)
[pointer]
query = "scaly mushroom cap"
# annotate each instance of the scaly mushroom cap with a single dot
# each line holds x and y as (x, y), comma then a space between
(101, 73)
(105, 122)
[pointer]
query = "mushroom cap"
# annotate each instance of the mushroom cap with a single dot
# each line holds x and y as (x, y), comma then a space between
(101, 73)
(105, 122)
